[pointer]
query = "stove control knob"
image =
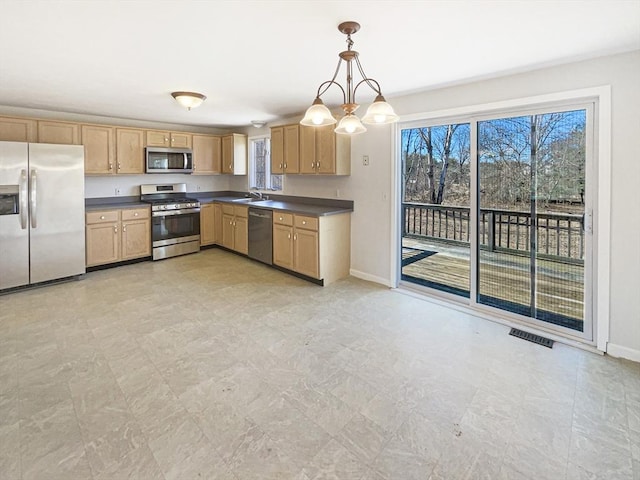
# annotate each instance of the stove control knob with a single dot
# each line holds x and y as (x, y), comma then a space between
(163, 207)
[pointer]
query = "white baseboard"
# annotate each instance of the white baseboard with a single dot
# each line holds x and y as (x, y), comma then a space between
(623, 352)
(370, 278)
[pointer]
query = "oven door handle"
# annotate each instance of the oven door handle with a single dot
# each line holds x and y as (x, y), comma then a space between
(170, 213)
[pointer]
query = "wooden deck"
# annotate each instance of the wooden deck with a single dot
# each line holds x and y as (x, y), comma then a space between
(504, 278)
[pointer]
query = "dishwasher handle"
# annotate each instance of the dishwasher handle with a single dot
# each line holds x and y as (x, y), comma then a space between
(260, 214)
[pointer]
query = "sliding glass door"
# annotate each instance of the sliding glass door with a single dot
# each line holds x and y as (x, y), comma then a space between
(522, 246)
(435, 207)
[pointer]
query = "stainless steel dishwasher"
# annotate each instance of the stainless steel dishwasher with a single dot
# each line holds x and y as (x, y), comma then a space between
(261, 235)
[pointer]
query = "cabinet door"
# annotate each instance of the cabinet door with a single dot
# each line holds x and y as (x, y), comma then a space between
(305, 253)
(129, 150)
(136, 239)
(277, 150)
(206, 224)
(283, 246)
(58, 132)
(217, 223)
(291, 149)
(227, 231)
(326, 150)
(206, 154)
(98, 149)
(227, 154)
(181, 140)
(241, 240)
(155, 138)
(103, 243)
(18, 130)
(308, 149)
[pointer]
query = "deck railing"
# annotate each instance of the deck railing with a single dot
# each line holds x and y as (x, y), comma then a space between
(560, 236)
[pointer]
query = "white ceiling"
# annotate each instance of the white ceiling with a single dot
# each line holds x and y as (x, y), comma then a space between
(261, 60)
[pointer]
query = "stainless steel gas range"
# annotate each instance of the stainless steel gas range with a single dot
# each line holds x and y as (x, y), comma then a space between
(175, 219)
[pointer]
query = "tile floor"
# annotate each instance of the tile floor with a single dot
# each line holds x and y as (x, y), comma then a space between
(237, 371)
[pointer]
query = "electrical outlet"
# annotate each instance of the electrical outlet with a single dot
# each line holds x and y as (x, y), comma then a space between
(365, 160)
(118, 191)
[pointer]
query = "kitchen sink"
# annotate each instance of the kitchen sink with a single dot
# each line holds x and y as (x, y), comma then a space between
(249, 200)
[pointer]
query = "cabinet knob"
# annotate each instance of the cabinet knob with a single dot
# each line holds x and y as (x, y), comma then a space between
(279, 218)
(280, 166)
(304, 222)
(111, 166)
(285, 166)
(295, 237)
(124, 228)
(115, 229)
(288, 235)
(135, 214)
(119, 166)
(101, 217)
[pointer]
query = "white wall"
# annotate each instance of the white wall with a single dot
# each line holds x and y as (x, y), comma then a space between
(129, 185)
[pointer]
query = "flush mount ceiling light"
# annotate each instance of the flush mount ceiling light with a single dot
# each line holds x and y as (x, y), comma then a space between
(189, 100)
(378, 112)
(258, 123)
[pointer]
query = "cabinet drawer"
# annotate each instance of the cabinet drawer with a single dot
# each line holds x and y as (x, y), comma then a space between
(283, 218)
(227, 209)
(240, 211)
(308, 223)
(103, 216)
(135, 213)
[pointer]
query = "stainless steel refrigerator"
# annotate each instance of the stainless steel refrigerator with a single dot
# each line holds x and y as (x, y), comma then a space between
(41, 213)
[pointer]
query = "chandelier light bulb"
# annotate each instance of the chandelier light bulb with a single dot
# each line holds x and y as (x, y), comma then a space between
(318, 114)
(380, 112)
(350, 125)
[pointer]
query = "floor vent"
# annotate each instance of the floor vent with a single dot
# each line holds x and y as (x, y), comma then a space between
(530, 337)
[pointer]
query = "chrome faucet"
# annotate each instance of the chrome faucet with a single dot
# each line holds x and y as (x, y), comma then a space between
(255, 193)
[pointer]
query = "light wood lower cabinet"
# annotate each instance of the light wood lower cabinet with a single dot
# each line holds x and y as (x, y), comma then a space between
(318, 247)
(117, 235)
(235, 232)
(207, 224)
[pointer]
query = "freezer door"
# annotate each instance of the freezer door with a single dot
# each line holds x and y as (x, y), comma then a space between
(14, 232)
(56, 206)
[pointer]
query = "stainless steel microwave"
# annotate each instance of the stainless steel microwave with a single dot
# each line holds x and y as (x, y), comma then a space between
(168, 160)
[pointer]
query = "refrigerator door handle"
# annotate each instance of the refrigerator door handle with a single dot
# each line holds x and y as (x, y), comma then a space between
(23, 199)
(33, 199)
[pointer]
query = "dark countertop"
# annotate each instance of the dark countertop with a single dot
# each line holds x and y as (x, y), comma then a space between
(315, 207)
(290, 206)
(107, 203)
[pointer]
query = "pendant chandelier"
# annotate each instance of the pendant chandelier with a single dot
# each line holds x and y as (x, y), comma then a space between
(379, 111)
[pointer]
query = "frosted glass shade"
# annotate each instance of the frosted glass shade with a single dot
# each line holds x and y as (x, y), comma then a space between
(380, 112)
(317, 114)
(189, 100)
(350, 125)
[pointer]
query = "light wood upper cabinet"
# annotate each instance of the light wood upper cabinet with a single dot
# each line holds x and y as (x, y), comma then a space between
(181, 140)
(234, 154)
(129, 150)
(285, 149)
(58, 132)
(99, 149)
(324, 152)
(207, 154)
(277, 150)
(207, 224)
(18, 129)
(162, 138)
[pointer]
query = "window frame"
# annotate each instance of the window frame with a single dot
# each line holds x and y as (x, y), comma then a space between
(252, 165)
